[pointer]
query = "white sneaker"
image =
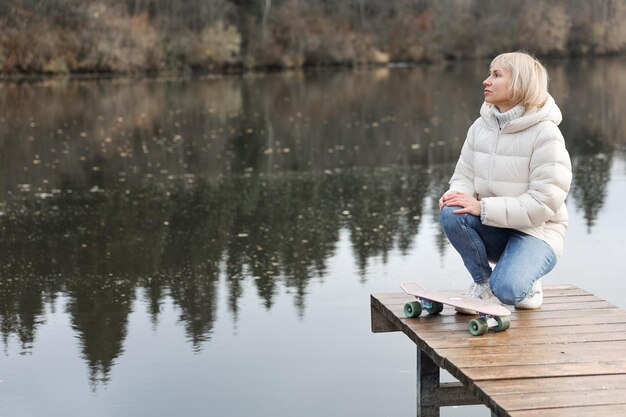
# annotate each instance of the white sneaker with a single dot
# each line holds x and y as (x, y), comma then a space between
(476, 290)
(533, 299)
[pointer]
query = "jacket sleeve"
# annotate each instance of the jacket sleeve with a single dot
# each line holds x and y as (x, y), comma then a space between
(463, 178)
(549, 182)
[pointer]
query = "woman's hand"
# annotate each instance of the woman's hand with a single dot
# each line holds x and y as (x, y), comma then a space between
(468, 204)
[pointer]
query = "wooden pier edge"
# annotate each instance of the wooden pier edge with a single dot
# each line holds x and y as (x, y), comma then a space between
(432, 394)
(586, 344)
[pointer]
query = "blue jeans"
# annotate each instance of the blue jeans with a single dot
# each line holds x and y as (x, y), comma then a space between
(520, 259)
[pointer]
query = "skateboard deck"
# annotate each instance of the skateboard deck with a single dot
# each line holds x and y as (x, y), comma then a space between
(433, 301)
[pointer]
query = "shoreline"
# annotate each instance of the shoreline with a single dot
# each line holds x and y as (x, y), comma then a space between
(261, 71)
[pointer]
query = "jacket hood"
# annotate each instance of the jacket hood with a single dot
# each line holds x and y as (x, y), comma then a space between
(548, 112)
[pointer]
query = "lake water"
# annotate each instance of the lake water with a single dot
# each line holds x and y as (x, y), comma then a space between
(207, 246)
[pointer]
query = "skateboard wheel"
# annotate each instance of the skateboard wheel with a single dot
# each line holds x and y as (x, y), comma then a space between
(503, 324)
(478, 327)
(412, 309)
(435, 308)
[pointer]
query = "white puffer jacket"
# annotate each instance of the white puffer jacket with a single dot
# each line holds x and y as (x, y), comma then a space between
(521, 174)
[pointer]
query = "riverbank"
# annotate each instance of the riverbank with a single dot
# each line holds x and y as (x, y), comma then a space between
(158, 37)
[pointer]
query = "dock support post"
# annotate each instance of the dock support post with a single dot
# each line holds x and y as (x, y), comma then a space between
(427, 386)
(432, 394)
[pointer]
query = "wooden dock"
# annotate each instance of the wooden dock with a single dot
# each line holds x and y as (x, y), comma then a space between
(567, 358)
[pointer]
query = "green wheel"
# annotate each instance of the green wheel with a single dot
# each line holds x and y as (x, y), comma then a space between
(478, 327)
(435, 308)
(503, 324)
(413, 309)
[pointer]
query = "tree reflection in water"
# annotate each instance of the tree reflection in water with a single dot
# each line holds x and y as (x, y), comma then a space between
(98, 248)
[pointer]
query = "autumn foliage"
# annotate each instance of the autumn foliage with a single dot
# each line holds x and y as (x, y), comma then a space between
(130, 36)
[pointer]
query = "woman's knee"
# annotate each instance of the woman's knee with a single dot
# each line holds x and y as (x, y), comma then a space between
(446, 215)
(450, 220)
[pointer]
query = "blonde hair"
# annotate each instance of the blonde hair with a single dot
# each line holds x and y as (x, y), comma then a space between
(529, 79)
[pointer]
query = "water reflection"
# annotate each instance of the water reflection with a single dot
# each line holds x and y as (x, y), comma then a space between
(166, 186)
(97, 247)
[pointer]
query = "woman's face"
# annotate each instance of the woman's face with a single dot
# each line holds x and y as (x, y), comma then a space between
(497, 88)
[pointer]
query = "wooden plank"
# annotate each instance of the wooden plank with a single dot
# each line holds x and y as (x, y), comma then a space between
(560, 287)
(531, 371)
(571, 299)
(574, 306)
(589, 349)
(551, 292)
(561, 399)
(592, 411)
(455, 394)
(394, 296)
(575, 320)
(556, 384)
(547, 315)
(460, 322)
(516, 332)
(579, 353)
(529, 342)
(380, 323)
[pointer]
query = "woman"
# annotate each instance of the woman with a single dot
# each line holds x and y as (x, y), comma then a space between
(506, 202)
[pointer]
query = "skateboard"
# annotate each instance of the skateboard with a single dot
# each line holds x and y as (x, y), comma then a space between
(433, 302)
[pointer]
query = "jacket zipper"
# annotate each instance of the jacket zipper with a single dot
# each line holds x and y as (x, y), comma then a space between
(493, 158)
